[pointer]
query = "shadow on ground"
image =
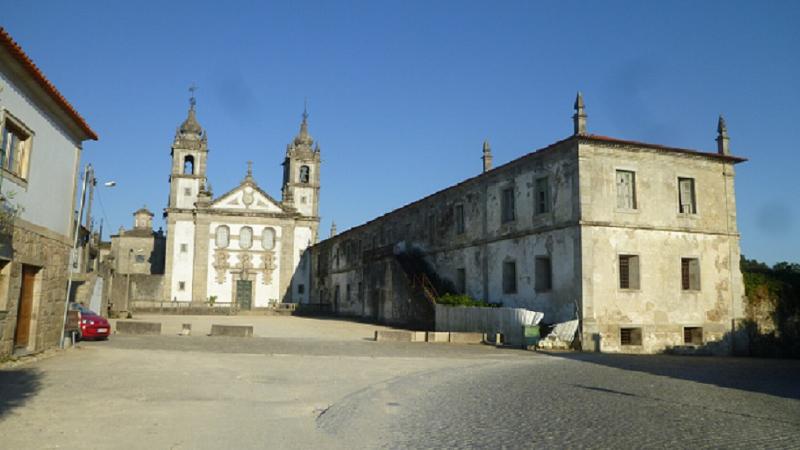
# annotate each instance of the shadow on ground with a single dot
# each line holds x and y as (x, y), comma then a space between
(778, 377)
(16, 387)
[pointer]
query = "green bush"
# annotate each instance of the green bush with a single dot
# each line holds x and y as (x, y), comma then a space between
(461, 300)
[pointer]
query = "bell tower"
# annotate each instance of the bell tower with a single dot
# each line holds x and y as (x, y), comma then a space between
(189, 156)
(301, 173)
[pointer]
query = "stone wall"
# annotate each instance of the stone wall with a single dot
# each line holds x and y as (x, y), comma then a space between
(37, 247)
(580, 234)
(659, 235)
(359, 260)
(142, 287)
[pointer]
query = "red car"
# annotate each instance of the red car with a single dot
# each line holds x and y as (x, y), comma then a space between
(92, 325)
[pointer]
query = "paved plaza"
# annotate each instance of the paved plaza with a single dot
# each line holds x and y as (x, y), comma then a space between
(305, 382)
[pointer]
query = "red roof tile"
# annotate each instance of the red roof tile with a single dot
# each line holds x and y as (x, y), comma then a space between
(26, 62)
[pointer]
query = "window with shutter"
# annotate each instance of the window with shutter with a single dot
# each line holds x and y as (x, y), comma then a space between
(507, 205)
(544, 274)
(542, 196)
(510, 277)
(626, 189)
(690, 274)
(686, 200)
(628, 272)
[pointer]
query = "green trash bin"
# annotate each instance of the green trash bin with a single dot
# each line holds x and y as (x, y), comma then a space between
(530, 335)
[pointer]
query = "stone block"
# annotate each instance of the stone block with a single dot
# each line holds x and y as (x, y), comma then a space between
(466, 338)
(138, 327)
(438, 336)
(417, 336)
(394, 335)
(232, 330)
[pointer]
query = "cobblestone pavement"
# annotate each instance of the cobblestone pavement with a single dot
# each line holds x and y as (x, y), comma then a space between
(582, 401)
(156, 392)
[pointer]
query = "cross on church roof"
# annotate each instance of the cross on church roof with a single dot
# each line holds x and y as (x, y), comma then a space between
(192, 100)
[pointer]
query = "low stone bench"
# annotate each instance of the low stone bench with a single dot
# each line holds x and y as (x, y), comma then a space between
(437, 336)
(399, 336)
(466, 338)
(138, 327)
(232, 330)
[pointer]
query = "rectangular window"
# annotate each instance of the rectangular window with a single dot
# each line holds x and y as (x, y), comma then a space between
(15, 148)
(181, 285)
(628, 272)
(139, 258)
(461, 280)
(459, 219)
(184, 248)
(347, 292)
(690, 274)
(630, 336)
(626, 189)
(686, 196)
(510, 277)
(693, 335)
(544, 274)
(542, 196)
(507, 205)
(301, 289)
(187, 191)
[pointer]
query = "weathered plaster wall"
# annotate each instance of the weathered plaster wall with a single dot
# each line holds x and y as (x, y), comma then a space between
(660, 236)
(362, 256)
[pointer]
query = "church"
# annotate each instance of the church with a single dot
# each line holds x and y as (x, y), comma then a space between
(243, 247)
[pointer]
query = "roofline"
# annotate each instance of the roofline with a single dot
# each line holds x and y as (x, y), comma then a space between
(469, 180)
(543, 150)
(25, 61)
(688, 151)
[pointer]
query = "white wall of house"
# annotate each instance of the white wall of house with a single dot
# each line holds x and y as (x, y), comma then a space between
(53, 162)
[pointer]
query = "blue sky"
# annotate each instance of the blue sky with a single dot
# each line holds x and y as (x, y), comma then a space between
(402, 94)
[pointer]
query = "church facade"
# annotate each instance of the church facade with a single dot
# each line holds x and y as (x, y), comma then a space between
(243, 247)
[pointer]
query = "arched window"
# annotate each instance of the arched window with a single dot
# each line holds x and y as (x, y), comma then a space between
(222, 237)
(246, 237)
(188, 165)
(268, 239)
(305, 174)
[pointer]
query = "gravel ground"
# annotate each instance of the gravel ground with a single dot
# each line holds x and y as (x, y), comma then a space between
(333, 388)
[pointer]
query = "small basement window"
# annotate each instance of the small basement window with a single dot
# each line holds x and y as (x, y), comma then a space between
(630, 336)
(693, 335)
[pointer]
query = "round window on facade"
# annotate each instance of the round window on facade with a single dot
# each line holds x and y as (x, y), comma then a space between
(268, 239)
(246, 237)
(222, 237)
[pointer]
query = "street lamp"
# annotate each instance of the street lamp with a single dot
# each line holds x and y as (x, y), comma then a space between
(88, 181)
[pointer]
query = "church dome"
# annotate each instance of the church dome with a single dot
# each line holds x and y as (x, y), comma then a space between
(190, 125)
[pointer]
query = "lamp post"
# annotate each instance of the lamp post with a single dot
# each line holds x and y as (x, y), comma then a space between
(88, 177)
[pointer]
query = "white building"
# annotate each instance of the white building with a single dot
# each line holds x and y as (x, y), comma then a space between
(41, 137)
(243, 247)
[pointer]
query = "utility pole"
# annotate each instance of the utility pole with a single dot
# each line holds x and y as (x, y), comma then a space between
(88, 171)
